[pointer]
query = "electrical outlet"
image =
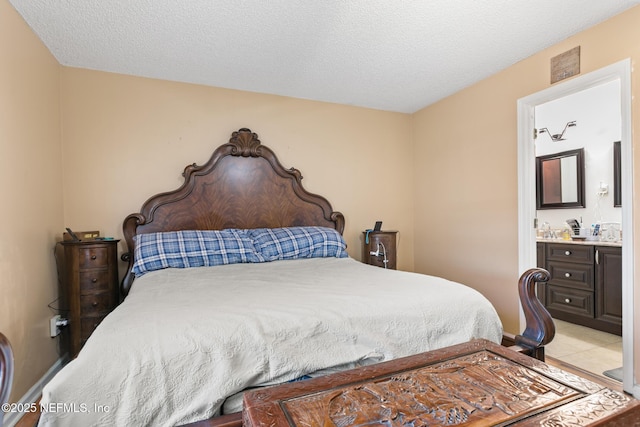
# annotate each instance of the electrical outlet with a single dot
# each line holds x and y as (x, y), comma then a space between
(603, 189)
(54, 329)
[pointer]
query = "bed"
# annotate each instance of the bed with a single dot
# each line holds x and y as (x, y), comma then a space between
(243, 280)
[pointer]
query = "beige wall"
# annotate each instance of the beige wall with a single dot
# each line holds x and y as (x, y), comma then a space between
(127, 138)
(31, 189)
(467, 222)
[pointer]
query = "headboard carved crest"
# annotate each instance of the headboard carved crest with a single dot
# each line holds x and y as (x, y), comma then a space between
(242, 185)
(245, 143)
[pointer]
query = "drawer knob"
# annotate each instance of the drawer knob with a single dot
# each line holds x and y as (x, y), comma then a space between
(94, 304)
(93, 257)
(567, 274)
(94, 280)
(567, 300)
(567, 253)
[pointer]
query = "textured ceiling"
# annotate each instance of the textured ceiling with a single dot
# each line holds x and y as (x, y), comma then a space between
(388, 55)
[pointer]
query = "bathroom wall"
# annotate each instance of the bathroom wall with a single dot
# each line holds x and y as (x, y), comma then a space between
(597, 115)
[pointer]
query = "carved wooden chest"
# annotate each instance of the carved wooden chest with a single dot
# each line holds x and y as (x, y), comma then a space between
(477, 384)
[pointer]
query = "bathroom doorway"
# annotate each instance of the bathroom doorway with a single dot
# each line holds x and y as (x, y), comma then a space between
(584, 296)
(619, 74)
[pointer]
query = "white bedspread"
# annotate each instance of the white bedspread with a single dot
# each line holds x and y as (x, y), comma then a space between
(186, 339)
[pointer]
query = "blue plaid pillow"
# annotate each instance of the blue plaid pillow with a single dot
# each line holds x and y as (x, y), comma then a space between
(298, 242)
(194, 248)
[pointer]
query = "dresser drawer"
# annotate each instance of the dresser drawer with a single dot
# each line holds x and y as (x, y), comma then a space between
(93, 257)
(570, 300)
(580, 276)
(92, 281)
(570, 253)
(96, 303)
(88, 325)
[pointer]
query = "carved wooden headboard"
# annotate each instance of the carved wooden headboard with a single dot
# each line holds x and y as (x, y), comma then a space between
(243, 185)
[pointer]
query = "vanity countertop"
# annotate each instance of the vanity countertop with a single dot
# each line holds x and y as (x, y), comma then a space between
(580, 242)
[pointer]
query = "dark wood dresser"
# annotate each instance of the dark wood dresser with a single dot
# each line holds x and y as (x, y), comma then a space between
(477, 384)
(88, 278)
(379, 248)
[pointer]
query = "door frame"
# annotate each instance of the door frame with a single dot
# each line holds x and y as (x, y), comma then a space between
(527, 191)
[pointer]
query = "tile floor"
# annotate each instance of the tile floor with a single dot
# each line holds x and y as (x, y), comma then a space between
(591, 350)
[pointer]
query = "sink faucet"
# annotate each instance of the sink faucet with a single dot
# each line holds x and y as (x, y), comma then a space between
(547, 233)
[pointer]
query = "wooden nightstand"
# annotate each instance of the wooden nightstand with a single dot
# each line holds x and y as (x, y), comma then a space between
(88, 278)
(383, 243)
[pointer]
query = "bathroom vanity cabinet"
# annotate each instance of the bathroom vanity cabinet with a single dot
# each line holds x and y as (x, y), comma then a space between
(586, 283)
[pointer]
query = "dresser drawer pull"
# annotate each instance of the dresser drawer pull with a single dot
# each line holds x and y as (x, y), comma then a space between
(567, 253)
(94, 257)
(567, 274)
(567, 300)
(94, 304)
(94, 280)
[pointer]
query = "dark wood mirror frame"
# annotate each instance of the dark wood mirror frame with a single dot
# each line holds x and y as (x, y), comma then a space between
(617, 175)
(552, 181)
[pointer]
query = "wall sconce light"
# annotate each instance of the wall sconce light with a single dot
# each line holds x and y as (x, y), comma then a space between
(558, 136)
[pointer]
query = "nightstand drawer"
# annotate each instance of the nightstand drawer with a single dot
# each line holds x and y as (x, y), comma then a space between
(94, 280)
(578, 276)
(96, 303)
(570, 253)
(88, 325)
(93, 257)
(570, 300)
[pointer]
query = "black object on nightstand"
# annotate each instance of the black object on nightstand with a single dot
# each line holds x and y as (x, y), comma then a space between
(88, 279)
(379, 248)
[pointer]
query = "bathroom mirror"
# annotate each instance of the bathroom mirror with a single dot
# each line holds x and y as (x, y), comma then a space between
(617, 176)
(560, 180)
